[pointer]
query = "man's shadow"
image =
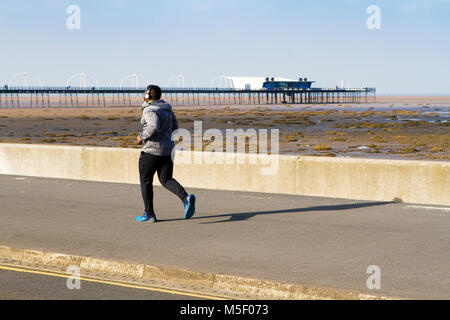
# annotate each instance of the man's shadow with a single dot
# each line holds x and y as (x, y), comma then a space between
(242, 216)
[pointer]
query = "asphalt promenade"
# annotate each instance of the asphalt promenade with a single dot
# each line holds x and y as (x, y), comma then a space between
(319, 242)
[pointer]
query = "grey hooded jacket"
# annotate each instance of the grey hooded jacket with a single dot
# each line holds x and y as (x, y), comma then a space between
(158, 122)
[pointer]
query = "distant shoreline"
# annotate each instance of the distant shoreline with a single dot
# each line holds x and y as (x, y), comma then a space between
(412, 99)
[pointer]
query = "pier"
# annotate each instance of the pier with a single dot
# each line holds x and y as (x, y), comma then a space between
(60, 97)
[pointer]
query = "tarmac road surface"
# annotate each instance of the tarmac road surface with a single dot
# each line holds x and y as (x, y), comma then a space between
(313, 241)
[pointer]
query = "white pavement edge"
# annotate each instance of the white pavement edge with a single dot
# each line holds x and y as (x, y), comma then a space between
(252, 287)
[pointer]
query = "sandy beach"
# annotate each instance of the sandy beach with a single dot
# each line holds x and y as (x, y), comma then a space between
(393, 127)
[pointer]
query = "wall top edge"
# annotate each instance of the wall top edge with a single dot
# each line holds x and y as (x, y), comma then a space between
(282, 157)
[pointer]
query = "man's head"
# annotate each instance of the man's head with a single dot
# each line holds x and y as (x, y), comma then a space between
(152, 93)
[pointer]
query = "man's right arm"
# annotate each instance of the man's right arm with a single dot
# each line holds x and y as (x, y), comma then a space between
(174, 122)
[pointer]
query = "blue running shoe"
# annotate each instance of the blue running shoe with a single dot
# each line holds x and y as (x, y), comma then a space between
(146, 217)
(189, 207)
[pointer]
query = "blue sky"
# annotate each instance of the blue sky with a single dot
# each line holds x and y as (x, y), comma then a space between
(203, 39)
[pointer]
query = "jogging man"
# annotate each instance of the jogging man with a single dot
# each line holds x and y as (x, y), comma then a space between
(158, 122)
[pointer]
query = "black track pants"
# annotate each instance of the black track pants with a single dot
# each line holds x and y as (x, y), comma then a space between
(148, 165)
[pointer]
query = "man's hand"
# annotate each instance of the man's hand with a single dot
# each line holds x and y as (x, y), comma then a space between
(139, 140)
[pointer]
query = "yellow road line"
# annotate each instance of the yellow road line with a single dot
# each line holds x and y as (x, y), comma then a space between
(114, 283)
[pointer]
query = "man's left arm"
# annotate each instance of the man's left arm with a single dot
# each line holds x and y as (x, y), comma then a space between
(152, 121)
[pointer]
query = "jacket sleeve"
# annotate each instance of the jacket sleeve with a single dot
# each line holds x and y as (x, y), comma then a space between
(152, 125)
(174, 122)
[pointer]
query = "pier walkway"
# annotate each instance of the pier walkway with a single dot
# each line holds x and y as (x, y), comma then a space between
(48, 97)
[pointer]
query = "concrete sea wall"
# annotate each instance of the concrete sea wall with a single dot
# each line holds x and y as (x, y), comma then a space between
(419, 182)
